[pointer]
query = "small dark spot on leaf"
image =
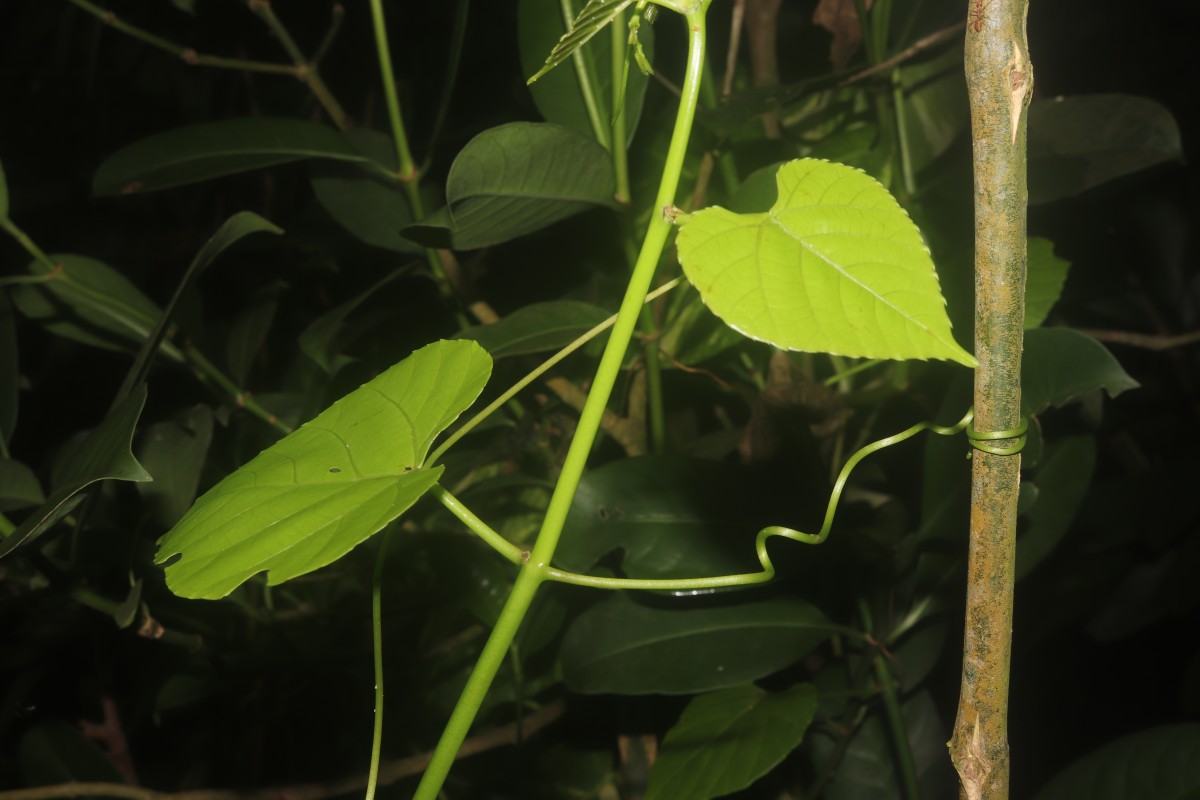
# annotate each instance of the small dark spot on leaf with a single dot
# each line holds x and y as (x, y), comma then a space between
(602, 512)
(409, 469)
(335, 469)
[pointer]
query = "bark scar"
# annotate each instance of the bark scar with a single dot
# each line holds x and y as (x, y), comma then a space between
(1018, 88)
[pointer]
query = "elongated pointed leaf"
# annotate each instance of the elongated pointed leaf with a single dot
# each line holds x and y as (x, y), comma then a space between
(593, 18)
(625, 647)
(319, 341)
(537, 328)
(3, 193)
(214, 149)
(235, 228)
(515, 179)
(104, 455)
(1076, 143)
(835, 266)
(307, 500)
(88, 301)
(726, 740)
(1161, 763)
(10, 396)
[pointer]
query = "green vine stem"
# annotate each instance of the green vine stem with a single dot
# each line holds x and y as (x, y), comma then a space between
(999, 87)
(697, 585)
(377, 647)
(532, 572)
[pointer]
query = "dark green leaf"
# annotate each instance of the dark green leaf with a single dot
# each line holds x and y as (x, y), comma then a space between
(19, 487)
(248, 332)
(319, 341)
(1160, 763)
(557, 94)
(694, 334)
(126, 613)
(935, 104)
(1077, 143)
(104, 455)
(725, 741)
(369, 204)
(594, 17)
(515, 179)
(537, 328)
(10, 395)
(89, 302)
(672, 517)
(868, 770)
(202, 152)
(57, 752)
(1044, 281)
(237, 227)
(621, 646)
(1060, 364)
(1062, 480)
(3, 194)
(174, 453)
(307, 500)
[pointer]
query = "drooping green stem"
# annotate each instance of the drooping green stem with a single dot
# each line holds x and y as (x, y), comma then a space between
(377, 643)
(532, 575)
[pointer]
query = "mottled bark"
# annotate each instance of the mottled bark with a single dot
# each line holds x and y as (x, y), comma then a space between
(1000, 80)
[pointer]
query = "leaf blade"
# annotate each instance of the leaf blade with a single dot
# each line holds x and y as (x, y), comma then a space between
(308, 499)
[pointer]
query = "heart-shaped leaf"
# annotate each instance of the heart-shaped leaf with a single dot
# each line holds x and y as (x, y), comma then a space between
(726, 740)
(835, 266)
(308, 499)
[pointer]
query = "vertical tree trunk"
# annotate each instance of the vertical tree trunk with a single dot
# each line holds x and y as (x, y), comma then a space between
(999, 81)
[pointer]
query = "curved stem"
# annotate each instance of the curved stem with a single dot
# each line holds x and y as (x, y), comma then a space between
(531, 574)
(584, 74)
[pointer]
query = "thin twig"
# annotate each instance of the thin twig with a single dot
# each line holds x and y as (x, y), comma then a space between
(916, 49)
(389, 773)
(1146, 341)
